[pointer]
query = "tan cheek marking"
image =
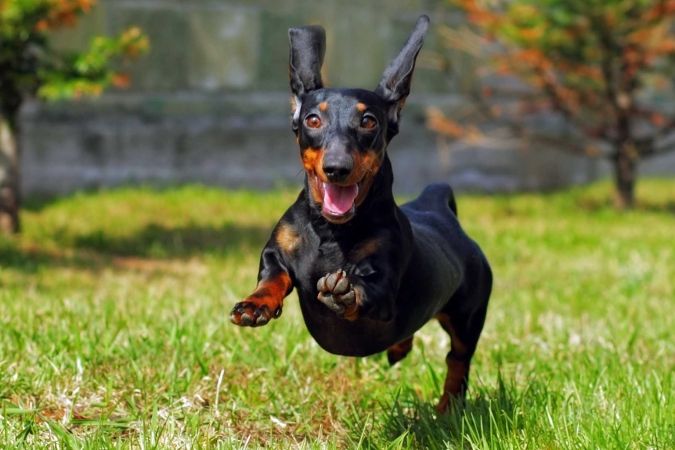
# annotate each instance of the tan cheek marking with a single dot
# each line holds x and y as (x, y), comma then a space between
(365, 249)
(309, 158)
(287, 238)
(361, 107)
(363, 164)
(312, 159)
(323, 106)
(294, 105)
(369, 164)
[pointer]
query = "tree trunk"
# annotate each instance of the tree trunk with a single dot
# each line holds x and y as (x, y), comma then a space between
(625, 165)
(10, 194)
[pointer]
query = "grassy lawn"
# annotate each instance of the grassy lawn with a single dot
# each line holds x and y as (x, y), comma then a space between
(115, 333)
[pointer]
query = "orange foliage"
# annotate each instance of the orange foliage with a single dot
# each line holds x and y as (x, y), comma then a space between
(42, 25)
(534, 58)
(532, 34)
(478, 14)
(122, 80)
(136, 43)
(437, 121)
(666, 47)
(64, 13)
(663, 9)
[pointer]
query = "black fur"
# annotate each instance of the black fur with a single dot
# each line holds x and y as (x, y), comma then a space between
(405, 265)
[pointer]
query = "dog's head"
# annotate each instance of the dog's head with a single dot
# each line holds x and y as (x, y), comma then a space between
(343, 133)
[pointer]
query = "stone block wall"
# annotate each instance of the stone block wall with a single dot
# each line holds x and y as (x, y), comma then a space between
(210, 103)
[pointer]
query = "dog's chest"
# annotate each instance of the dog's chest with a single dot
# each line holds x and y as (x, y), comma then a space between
(319, 258)
(316, 259)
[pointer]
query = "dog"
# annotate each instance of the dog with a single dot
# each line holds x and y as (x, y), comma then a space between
(368, 273)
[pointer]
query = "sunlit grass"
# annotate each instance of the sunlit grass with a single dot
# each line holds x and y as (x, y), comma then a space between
(115, 333)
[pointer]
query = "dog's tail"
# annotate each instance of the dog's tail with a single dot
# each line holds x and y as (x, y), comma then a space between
(435, 196)
(452, 203)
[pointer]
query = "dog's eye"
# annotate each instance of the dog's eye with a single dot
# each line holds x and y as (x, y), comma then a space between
(368, 122)
(313, 121)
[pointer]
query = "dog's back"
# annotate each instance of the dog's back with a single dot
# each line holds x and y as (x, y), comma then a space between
(443, 256)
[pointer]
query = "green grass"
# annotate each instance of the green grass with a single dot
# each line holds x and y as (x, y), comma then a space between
(115, 333)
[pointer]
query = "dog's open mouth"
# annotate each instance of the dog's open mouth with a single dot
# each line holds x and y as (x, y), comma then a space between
(338, 201)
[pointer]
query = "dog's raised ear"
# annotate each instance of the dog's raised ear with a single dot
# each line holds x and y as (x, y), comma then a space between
(395, 84)
(308, 46)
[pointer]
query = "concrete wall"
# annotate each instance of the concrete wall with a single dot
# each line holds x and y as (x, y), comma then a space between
(210, 102)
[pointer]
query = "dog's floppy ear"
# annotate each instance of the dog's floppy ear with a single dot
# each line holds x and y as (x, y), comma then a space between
(395, 84)
(308, 46)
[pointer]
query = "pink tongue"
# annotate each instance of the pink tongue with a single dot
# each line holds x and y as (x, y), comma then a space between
(339, 199)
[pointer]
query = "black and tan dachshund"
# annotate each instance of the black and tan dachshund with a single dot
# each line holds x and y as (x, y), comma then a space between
(368, 273)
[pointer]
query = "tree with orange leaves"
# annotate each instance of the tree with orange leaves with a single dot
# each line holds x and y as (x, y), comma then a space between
(29, 67)
(595, 65)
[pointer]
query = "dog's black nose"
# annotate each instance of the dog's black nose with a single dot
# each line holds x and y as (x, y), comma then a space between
(338, 168)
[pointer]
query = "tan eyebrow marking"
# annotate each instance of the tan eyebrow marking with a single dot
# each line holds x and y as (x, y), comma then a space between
(361, 107)
(323, 106)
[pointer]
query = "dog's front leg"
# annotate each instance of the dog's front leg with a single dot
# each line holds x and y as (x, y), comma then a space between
(265, 303)
(354, 297)
(368, 291)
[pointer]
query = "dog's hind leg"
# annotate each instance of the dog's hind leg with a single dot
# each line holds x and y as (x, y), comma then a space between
(458, 361)
(397, 352)
(462, 318)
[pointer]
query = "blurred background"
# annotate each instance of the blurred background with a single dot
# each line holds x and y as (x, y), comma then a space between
(150, 141)
(210, 102)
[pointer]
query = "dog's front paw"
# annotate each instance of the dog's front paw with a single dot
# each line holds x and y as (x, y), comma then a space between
(253, 314)
(336, 292)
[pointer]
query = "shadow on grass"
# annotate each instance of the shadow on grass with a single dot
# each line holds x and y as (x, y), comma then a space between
(31, 260)
(414, 423)
(158, 241)
(38, 204)
(594, 205)
(98, 250)
(667, 208)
